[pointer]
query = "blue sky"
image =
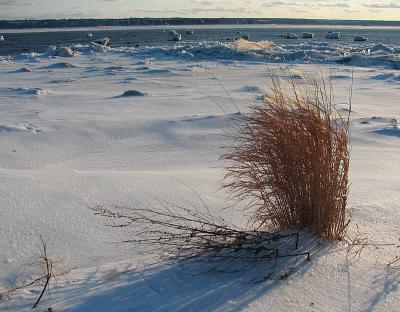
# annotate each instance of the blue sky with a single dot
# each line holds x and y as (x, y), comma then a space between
(334, 9)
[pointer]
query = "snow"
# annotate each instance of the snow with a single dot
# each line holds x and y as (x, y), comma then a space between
(60, 51)
(70, 141)
(23, 70)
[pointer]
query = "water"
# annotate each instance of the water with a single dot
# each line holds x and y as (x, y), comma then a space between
(217, 43)
(19, 42)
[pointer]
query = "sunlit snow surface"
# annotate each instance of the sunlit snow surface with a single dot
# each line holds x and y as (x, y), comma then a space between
(111, 126)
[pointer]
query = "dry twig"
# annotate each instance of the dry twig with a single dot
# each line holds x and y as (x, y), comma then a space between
(181, 234)
(49, 271)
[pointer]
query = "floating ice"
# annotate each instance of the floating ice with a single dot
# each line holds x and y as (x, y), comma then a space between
(243, 36)
(360, 38)
(320, 52)
(176, 37)
(104, 42)
(307, 35)
(290, 36)
(333, 35)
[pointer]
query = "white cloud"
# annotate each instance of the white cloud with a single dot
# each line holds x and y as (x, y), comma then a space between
(12, 3)
(343, 9)
(390, 5)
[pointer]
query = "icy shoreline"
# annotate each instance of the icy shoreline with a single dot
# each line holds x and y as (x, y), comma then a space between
(309, 52)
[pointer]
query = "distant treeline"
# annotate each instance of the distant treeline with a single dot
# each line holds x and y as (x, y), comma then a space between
(54, 23)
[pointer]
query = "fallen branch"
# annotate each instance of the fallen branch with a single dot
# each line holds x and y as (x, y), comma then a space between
(181, 234)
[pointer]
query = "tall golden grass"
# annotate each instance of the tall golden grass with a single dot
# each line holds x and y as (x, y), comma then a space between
(291, 159)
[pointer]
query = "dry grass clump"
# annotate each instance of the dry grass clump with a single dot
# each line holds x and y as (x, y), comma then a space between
(291, 159)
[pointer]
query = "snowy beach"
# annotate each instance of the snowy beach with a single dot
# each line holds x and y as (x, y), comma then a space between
(116, 126)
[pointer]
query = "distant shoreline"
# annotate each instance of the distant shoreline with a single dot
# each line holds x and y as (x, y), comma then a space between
(145, 22)
(191, 27)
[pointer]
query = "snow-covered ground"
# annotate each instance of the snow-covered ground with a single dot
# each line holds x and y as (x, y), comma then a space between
(72, 137)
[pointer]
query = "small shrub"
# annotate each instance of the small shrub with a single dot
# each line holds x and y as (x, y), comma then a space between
(291, 159)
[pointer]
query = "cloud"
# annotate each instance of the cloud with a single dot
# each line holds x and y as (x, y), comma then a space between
(335, 5)
(203, 2)
(221, 10)
(7, 2)
(10, 9)
(12, 3)
(391, 5)
(282, 3)
(307, 4)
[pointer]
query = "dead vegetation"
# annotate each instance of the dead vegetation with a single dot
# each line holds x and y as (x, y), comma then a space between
(48, 272)
(179, 234)
(291, 159)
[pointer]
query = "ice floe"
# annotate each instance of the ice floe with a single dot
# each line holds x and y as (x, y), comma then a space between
(290, 36)
(313, 51)
(332, 35)
(360, 38)
(104, 41)
(307, 35)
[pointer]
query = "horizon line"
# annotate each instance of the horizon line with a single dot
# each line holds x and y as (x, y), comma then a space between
(197, 18)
